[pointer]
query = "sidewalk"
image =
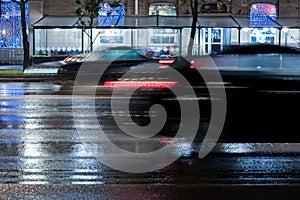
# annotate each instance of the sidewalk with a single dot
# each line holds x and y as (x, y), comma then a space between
(11, 67)
(17, 68)
(15, 73)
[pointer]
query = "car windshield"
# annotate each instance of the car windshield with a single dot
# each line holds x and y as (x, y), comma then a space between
(114, 55)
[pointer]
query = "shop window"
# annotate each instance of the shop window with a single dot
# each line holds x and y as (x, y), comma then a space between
(162, 39)
(163, 36)
(57, 41)
(164, 9)
(212, 40)
(10, 25)
(112, 36)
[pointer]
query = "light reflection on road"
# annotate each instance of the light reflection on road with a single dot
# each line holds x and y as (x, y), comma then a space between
(39, 145)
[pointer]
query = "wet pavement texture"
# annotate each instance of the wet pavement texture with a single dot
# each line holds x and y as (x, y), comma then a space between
(42, 156)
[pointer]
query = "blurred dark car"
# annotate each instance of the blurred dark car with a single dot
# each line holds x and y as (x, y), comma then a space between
(153, 74)
(262, 84)
(115, 57)
(251, 57)
(116, 60)
(256, 66)
(153, 83)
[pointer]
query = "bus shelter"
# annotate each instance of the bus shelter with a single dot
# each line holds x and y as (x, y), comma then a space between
(63, 36)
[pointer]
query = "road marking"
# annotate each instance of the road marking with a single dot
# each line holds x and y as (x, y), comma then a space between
(257, 148)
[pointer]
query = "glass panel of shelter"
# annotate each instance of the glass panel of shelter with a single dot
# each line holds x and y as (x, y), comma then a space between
(211, 40)
(45, 44)
(163, 42)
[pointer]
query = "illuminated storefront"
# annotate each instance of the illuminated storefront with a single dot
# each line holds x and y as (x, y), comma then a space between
(53, 36)
(54, 33)
(163, 33)
(161, 29)
(262, 15)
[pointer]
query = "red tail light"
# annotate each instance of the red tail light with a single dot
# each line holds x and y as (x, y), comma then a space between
(192, 67)
(140, 84)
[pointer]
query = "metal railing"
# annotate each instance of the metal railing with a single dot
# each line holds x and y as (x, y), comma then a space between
(11, 56)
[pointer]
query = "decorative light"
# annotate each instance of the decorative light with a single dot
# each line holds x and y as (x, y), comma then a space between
(10, 24)
(7, 15)
(110, 16)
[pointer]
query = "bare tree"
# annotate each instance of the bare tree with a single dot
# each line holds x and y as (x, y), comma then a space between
(87, 12)
(22, 4)
(194, 6)
(194, 9)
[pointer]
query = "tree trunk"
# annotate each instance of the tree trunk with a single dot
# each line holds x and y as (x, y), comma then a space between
(91, 33)
(91, 39)
(194, 6)
(24, 35)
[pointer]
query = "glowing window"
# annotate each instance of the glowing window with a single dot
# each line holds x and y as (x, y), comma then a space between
(261, 13)
(263, 30)
(165, 9)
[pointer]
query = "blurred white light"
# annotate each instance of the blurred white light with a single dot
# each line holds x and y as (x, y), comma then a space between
(285, 29)
(245, 29)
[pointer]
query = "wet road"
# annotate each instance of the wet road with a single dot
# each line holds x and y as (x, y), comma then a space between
(43, 157)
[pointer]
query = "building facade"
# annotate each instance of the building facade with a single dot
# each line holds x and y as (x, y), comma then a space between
(221, 22)
(286, 8)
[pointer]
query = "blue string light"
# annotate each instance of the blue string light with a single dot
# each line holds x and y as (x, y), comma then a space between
(110, 16)
(10, 25)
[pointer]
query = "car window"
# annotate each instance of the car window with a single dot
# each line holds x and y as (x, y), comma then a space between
(112, 55)
(259, 49)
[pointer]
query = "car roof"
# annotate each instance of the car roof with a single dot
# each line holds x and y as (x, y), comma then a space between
(259, 49)
(115, 54)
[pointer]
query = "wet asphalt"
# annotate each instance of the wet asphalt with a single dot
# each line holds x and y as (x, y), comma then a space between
(44, 157)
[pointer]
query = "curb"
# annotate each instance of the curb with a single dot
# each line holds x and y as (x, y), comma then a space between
(39, 77)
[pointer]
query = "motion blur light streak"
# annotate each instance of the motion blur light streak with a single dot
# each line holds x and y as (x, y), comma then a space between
(140, 84)
(166, 61)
